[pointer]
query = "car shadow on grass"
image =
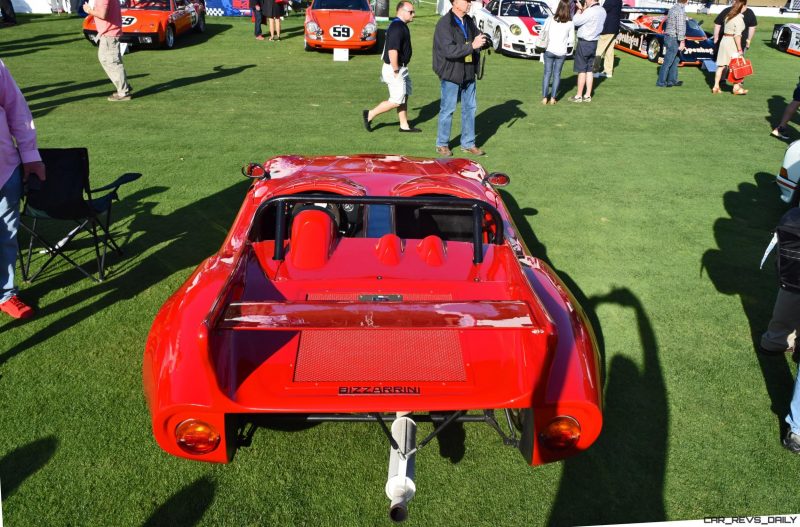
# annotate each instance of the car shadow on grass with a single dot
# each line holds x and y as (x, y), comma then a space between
(753, 212)
(182, 238)
(520, 216)
(185, 507)
(194, 38)
(23, 462)
(620, 479)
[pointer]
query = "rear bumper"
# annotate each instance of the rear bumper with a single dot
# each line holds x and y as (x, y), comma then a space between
(787, 188)
(360, 45)
(134, 39)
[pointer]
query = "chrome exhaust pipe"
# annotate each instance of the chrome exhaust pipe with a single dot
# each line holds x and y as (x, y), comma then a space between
(400, 487)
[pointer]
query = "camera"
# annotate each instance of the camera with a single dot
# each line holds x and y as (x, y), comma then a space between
(488, 44)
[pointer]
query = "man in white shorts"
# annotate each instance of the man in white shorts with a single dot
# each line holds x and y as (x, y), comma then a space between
(396, 56)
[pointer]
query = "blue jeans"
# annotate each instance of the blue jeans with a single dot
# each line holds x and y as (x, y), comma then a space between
(669, 70)
(257, 18)
(552, 69)
(794, 408)
(451, 92)
(10, 195)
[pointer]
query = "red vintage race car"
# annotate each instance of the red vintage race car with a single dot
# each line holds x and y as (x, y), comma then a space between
(346, 24)
(374, 288)
(155, 22)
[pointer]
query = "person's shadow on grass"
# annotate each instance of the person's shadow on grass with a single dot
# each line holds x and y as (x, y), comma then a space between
(426, 113)
(23, 462)
(183, 237)
(185, 507)
(754, 211)
(491, 119)
(25, 46)
(46, 99)
(218, 73)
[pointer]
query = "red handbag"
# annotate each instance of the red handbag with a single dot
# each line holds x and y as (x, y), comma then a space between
(738, 69)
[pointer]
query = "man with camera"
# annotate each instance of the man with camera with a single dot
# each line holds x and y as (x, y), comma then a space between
(589, 19)
(456, 54)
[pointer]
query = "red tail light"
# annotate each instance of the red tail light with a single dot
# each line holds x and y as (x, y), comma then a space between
(498, 179)
(561, 432)
(783, 173)
(196, 437)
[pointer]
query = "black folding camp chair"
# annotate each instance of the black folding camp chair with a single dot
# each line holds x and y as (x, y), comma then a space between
(65, 195)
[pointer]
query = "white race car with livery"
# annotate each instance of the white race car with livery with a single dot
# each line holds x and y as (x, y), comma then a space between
(786, 37)
(788, 178)
(514, 25)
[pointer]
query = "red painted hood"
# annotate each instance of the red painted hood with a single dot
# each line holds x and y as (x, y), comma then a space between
(327, 18)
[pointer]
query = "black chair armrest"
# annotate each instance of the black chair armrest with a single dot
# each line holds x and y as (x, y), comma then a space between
(124, 178)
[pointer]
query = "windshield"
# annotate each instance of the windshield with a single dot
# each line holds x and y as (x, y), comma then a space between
(693, 29)
(161, 5)
(352, 5)
(525, 9)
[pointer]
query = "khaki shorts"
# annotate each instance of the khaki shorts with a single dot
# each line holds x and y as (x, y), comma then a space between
(399, 85)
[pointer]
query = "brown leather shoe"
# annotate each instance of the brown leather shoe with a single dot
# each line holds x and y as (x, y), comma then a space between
(474, 150)
(444, 151)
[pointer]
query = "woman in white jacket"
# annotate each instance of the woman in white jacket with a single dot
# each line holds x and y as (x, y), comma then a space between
(561, 35)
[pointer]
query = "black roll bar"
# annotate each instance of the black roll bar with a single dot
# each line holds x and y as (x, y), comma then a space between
(479, 209)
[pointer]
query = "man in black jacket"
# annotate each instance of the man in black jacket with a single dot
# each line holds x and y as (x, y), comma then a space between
(456, 52)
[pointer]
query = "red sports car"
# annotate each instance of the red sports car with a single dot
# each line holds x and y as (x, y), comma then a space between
(346, 24)
(155, 22)
(374, 288)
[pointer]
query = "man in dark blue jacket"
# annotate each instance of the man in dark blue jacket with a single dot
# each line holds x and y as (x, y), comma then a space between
(456, 52)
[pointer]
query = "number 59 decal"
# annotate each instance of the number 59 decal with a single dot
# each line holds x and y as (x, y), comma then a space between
(128, 21)
(341, 32)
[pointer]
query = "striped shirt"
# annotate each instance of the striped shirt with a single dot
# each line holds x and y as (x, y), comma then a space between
(676, 22)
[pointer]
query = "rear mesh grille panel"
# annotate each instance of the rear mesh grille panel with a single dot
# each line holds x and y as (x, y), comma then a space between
(380, 356)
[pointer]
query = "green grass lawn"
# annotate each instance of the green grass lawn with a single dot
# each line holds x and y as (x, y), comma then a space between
(654, 204)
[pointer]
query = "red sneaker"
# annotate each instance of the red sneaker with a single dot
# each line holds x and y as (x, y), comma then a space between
(16, 308)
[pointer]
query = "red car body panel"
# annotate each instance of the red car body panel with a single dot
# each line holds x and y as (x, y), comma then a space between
(145, 22)
(383, 323)
(339, 28)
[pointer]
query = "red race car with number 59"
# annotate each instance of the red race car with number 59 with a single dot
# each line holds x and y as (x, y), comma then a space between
(380, 289)
(155, 23)
(346, 24)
